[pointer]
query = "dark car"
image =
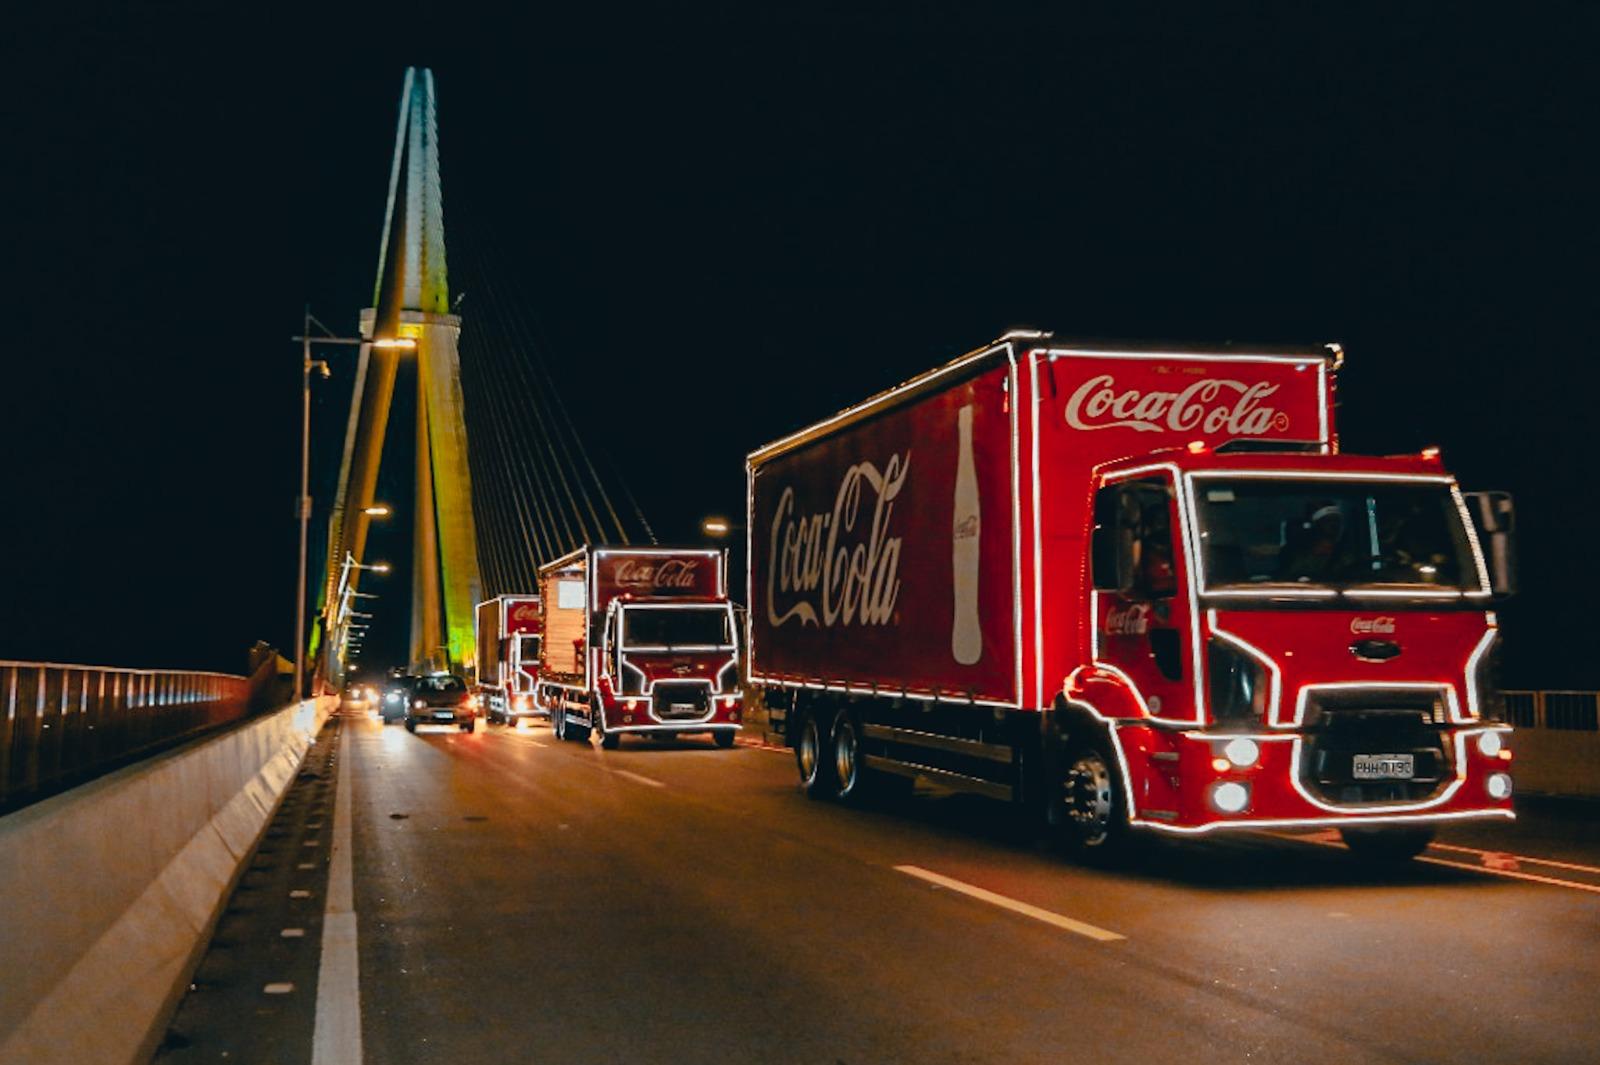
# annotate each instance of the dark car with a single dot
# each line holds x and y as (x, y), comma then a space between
(441, 699)
(396, 697)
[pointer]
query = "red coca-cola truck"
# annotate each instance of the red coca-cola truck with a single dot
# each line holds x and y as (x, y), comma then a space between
(640, 640)
(1132, 587)
(508, 630)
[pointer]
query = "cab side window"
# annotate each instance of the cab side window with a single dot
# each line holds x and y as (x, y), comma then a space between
(1133, 549)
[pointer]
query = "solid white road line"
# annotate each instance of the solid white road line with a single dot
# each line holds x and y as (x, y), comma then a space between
(635, 777)
(336, 1038)
(1512, 874)
(1487, 870)
(1026, 909)
(1552, 863)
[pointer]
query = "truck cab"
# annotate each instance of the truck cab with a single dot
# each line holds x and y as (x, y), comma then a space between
(1289, 638)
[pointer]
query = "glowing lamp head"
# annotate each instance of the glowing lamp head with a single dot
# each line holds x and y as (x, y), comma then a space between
(1242, 752)
(1499, 785)
(1230, 797)
(1489, 744)
(1197, 447)
(377, 510)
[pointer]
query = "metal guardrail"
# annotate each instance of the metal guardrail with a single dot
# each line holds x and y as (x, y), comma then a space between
(61, 724)
(1571, 711)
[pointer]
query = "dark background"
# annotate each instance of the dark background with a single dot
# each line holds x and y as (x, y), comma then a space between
(769, 214)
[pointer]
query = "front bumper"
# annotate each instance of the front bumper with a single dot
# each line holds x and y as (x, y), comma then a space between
(639, 714)
(1183, 782)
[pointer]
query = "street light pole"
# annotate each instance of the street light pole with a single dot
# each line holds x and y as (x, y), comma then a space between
(304, 507)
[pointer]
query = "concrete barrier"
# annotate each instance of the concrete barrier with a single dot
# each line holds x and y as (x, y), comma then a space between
(112, 889)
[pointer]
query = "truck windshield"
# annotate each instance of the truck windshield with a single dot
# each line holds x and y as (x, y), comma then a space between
(1343, 535)
(675, 628)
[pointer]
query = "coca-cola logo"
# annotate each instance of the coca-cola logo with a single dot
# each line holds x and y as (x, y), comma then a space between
(1211, 405)
(1130, 620)
(1383, 626)
(523, 612)
(667, 573)
(835, 567)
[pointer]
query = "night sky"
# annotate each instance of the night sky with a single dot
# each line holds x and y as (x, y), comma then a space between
(766, 214)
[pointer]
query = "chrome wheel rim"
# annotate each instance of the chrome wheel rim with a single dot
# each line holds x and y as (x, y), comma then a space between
(1087, 797)
(845, 756)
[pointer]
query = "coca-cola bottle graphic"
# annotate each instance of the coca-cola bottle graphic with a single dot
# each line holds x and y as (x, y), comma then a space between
(966, 636)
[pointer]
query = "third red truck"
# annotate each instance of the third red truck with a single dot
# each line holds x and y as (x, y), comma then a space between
(1132, 587)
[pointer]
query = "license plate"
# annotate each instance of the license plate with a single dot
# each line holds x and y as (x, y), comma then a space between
(1383, 767)
(446, 714)
(684, 708)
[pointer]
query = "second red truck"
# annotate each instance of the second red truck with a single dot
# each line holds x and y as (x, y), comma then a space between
(640, 640)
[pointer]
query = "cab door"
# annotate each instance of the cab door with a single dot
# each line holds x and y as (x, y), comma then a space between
(1142, 610)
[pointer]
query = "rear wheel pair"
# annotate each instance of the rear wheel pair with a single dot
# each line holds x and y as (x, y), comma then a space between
(832, 761)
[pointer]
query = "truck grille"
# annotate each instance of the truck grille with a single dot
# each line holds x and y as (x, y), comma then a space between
(1349, 724)
(676, 701)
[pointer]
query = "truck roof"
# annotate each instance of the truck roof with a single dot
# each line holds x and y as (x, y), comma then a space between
(1425, 464)
(1028, 341)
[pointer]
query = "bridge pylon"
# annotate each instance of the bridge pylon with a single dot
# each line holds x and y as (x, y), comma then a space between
(410, 321)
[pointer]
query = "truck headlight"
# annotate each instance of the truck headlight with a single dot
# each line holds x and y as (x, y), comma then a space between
(1238, 685)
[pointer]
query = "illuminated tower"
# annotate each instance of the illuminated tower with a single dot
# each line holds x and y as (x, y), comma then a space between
(411, 302)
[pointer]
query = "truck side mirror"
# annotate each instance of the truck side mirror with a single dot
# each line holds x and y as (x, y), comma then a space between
(1495, 517)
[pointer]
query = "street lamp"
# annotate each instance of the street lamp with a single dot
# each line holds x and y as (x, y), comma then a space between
(717, 526)
(377, 510)
(303, 504)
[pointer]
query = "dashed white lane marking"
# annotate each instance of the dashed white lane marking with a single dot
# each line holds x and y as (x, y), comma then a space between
(292, 933)
(336, 1037)
(1049, 917)
(636, 778)
(278, 989)
(299, 893)
(306, 865)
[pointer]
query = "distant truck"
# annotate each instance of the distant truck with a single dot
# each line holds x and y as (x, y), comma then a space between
(639, 640)
(1128, 587)
(508, 657)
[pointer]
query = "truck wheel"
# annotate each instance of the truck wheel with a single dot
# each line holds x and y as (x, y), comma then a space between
(816, 769)
(608, 741)
(1386, 844)
(1086, 811)
(849, 760)
(724, 738)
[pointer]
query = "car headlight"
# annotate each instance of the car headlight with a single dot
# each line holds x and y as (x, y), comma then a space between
(417, 704)
(1238, 685)
(392, 697)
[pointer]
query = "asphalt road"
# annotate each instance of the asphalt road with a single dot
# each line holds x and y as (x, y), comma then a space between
(524, 900)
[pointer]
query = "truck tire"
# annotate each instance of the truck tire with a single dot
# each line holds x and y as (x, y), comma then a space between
(1086, 811)
(850, 772)
(1392, 844)
(812, 759)
(723, 738)
(608, 740)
